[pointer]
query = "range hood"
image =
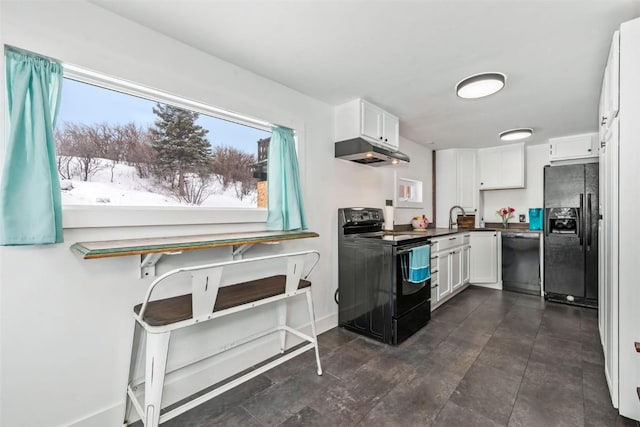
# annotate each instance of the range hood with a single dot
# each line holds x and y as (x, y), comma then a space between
(360, 151)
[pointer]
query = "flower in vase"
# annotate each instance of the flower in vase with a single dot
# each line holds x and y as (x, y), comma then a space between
(506, 214)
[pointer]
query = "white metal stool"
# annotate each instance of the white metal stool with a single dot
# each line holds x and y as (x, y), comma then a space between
(207, 301)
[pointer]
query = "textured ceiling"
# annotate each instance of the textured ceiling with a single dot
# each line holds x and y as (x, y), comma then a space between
(407, 56)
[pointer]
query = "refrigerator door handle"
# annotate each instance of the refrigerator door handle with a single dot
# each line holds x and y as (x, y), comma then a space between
(581, 219)
(587, 223)
(547, 221)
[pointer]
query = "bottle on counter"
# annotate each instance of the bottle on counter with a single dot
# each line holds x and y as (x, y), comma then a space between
(481, 222)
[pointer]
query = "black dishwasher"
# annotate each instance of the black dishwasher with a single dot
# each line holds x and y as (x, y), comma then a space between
(521, 262)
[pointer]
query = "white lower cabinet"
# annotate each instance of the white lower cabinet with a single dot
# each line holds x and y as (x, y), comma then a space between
(466, 264)
(444, 271)
(484, 257)
(456, 268)
(450, 267)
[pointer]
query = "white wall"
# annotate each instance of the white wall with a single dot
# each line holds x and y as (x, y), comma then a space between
(419, 169)
(536, 157)
(66, 322)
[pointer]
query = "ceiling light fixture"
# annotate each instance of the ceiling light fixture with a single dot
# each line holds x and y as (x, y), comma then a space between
(480, 85)
(516, 134)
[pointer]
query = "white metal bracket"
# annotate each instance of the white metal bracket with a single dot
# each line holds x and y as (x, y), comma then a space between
(148, 263)
(238, 250)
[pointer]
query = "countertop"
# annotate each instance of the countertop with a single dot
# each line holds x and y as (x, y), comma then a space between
(113, 248)
(438, 232)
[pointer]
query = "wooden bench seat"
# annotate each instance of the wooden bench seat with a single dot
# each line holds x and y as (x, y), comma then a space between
(175, 309)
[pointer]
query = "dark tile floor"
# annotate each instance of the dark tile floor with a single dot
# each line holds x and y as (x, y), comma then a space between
(487, 358)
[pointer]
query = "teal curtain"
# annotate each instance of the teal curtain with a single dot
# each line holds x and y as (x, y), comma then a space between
(286, 210)
(30, 207)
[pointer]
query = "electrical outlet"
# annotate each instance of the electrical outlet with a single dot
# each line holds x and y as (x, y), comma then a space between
(521, 218)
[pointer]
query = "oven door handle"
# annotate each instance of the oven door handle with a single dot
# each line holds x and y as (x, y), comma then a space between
(406, 251)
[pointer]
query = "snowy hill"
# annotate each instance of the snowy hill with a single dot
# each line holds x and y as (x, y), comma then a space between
(128, 189)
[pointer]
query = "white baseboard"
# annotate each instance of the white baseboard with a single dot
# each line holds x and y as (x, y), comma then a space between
(208, 373)
(496, 285)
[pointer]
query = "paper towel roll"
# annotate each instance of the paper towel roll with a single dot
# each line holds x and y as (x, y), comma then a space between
(388, 218)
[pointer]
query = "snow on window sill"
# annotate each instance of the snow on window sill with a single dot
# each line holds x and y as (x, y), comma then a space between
(126, 216)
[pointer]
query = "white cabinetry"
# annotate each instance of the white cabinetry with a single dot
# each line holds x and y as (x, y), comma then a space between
(449, 266)
(444, 271)
(359, 118)
(619, 294)
(611, 82)
(466, 264)
(501, 167)
(573, 147)
(456, 183)
(484, 257)
(456, 268)
(466, 189)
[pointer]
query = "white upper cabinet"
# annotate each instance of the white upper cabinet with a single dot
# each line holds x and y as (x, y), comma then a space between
(613, 76)
(573, 147)
(602, 129)
(370, 121)
(466, 190)
(501, 167)
(609, 97)
(359, 118)
(456, 183)
(391, 130)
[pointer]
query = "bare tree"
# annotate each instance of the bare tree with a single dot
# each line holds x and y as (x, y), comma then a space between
(88, 144)
(234, 167)
(195, 189)
(66, 166)
(83, 143)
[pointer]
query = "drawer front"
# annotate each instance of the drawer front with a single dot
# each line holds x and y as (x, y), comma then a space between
(466, 238)
(434, 293)
(450, 242)
(435, 246)
(435, 263)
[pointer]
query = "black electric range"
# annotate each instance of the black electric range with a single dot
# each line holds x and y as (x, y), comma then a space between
(375, 299)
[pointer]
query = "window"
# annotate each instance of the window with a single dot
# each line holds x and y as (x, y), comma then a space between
(120, 149)
(408, 193)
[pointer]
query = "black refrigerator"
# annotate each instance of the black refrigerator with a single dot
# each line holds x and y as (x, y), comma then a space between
(571, 234)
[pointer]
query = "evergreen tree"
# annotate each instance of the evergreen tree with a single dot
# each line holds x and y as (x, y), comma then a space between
(181, 146)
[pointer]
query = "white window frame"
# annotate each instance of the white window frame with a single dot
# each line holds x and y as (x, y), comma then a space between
(92, 216)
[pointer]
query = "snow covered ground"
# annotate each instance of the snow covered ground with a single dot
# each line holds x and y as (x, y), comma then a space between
(128, 189)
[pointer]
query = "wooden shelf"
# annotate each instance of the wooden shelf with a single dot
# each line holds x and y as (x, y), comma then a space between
(114, 248)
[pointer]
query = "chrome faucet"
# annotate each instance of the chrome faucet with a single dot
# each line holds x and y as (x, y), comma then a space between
(451, 211)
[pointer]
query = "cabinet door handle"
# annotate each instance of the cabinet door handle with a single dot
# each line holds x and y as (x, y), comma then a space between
(452, 238)
(385, 140)
(434, 286)
(434, 271)
(380, 138)
(603, 121)
(466, 235)
(434, 257)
